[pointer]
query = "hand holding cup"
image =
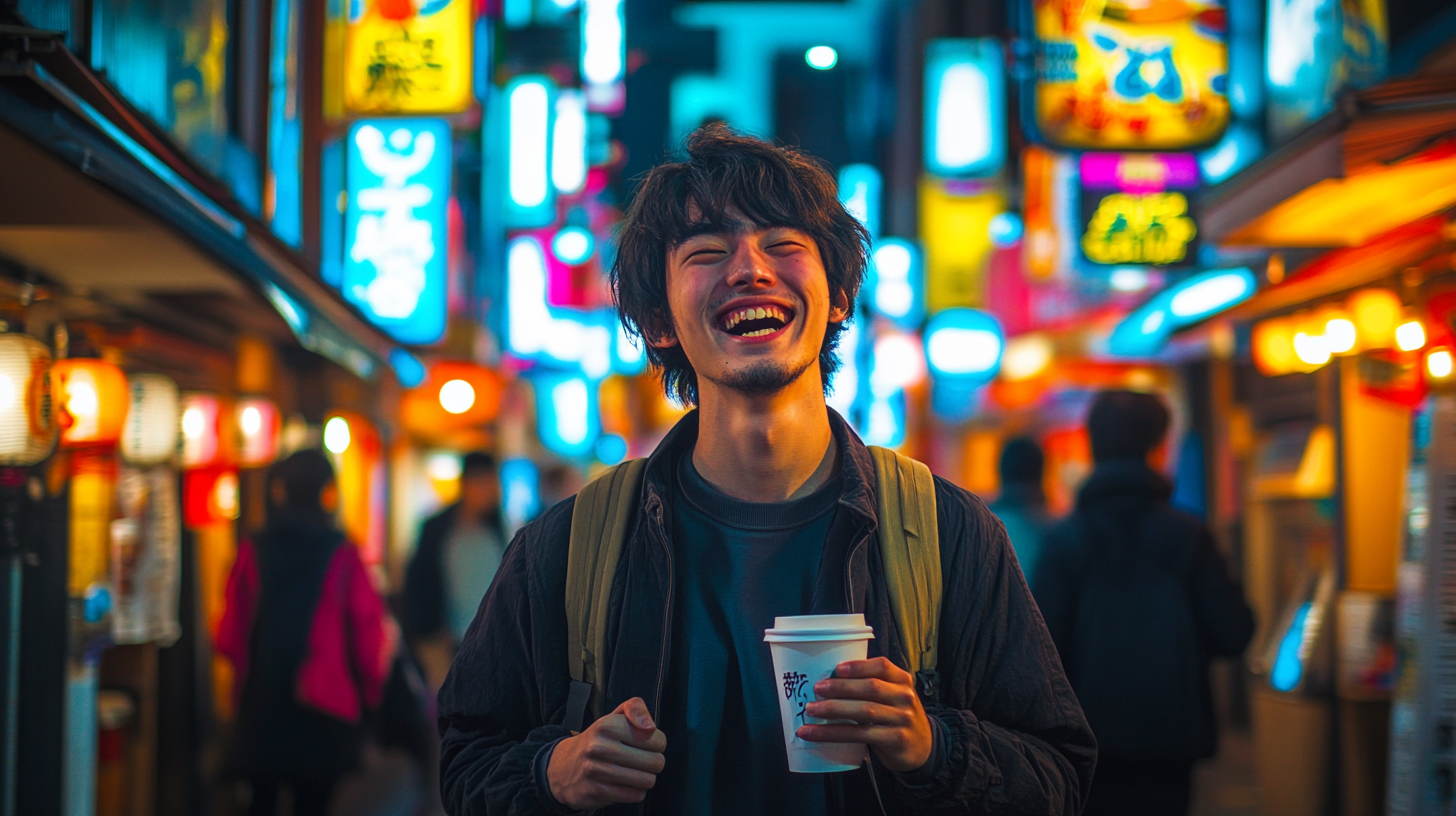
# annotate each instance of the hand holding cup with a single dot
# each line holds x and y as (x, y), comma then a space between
(616, 760)
(879, 697)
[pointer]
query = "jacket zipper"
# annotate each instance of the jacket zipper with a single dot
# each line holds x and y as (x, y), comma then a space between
(660, 533)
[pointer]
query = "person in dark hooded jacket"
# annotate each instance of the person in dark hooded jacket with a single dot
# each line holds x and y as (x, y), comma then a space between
(1138, 601)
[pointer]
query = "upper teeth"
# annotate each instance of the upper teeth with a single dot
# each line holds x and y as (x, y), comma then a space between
(756, 313)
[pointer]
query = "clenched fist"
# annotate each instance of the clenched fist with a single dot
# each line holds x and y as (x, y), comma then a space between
(616, 760)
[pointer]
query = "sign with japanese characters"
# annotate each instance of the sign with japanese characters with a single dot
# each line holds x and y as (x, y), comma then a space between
(394, 240)
(1122, 75)
(408, 56)
(1135, 208)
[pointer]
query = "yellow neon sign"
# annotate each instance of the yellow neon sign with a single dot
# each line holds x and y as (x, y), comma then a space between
(1153, 228)
(408, 57)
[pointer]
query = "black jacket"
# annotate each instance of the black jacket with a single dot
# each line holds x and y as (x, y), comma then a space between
(1016, 740)
(422, 612)
(1138, 601)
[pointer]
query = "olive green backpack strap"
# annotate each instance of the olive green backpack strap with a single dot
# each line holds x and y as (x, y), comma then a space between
(910, 553)
(599, 522)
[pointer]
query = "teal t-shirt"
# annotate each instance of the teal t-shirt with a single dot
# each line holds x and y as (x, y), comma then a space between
(736, 565)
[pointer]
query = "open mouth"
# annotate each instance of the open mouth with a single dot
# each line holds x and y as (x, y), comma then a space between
(755, 321)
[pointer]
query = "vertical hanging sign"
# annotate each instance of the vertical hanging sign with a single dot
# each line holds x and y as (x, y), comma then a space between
(403, 56)
(395, 230)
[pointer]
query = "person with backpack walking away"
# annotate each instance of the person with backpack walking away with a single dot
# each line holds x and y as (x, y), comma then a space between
(1139, 601)
(309, 641)
(618, 662)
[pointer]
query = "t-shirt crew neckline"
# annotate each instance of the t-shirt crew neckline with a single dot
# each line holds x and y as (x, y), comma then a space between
(747, 515)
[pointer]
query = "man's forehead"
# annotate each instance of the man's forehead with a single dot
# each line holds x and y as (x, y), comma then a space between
(731, 222)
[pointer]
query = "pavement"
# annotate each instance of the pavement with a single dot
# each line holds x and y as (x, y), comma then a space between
(1226, 785)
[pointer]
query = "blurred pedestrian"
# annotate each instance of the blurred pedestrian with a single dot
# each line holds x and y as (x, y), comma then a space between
(309, 641)
(1022, 504)
(1138, 600)
(457, 556)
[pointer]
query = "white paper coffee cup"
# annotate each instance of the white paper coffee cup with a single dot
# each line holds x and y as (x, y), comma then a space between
(805, 650)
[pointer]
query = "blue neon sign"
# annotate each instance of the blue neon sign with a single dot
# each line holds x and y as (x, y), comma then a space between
(964, 346)
(1148, 327)
(395, 245)
(895, 282)
(530, 193)
(568, 415)
(965, 108)
(859, 191)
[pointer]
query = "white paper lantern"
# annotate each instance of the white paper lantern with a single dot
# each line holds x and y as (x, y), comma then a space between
(27, 424)
(150, 434)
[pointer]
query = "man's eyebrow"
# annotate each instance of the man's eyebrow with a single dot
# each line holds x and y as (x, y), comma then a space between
(734, 226)
(693, 230)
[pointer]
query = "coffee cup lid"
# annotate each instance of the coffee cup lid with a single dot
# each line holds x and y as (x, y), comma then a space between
(802, 628)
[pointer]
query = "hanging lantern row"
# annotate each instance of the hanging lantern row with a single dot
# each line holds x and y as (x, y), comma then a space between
(1369, 320)
(90, 403)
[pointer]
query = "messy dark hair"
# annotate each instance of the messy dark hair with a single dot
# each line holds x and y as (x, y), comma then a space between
(772, 186)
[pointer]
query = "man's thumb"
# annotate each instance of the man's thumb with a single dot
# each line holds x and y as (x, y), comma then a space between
(635, 710)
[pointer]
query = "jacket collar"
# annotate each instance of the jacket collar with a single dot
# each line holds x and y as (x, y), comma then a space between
(856, 469)
(1124, 478)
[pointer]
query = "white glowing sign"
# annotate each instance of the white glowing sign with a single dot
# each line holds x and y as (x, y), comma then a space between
(588, 340)
(399, 190)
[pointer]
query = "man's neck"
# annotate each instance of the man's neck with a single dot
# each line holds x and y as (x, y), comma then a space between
(766, 448)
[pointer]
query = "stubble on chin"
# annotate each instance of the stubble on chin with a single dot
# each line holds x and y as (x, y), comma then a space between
(762, 379)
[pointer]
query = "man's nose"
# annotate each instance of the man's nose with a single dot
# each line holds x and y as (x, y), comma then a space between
(750, 268)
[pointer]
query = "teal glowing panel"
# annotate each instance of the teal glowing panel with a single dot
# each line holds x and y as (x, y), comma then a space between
(965, 108)
(394, 226)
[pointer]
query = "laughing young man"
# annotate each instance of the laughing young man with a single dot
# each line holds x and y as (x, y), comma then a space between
(739, 268)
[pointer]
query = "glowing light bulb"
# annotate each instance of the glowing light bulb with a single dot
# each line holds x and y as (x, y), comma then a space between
(1439, 364)
(336, 435)
(193, 422)
(821, 57)
(251, 421)
(457, 396)
(1410, 335)
(1339, 335)
(1311, 349)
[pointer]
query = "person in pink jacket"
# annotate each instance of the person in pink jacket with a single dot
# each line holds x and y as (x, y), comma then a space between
(309, 641)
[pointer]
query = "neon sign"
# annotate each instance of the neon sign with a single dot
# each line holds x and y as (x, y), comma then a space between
(531, 194)
(1130, 75)
(1314, 49)
(895, 283)
(399, 187)
(1144, 331)
(1136, 212)
(403, 56)
(568, 413)
(965, 108)
(859, 192)
(589, 341)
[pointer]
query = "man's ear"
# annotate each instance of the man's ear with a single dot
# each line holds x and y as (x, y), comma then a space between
(839, 307)
(658, 335)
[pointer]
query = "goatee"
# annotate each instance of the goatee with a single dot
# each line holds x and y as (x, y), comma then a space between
(769, 377)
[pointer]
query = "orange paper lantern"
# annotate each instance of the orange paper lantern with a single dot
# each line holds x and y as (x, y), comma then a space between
(91, 400)
(454, 395)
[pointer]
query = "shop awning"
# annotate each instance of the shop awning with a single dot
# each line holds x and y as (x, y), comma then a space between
(1386, 158)
(127, 216)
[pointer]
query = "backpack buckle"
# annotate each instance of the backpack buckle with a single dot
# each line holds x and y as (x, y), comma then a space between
(927, 685)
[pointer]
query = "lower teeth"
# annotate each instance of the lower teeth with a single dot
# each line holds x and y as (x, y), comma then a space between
(759, 333)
